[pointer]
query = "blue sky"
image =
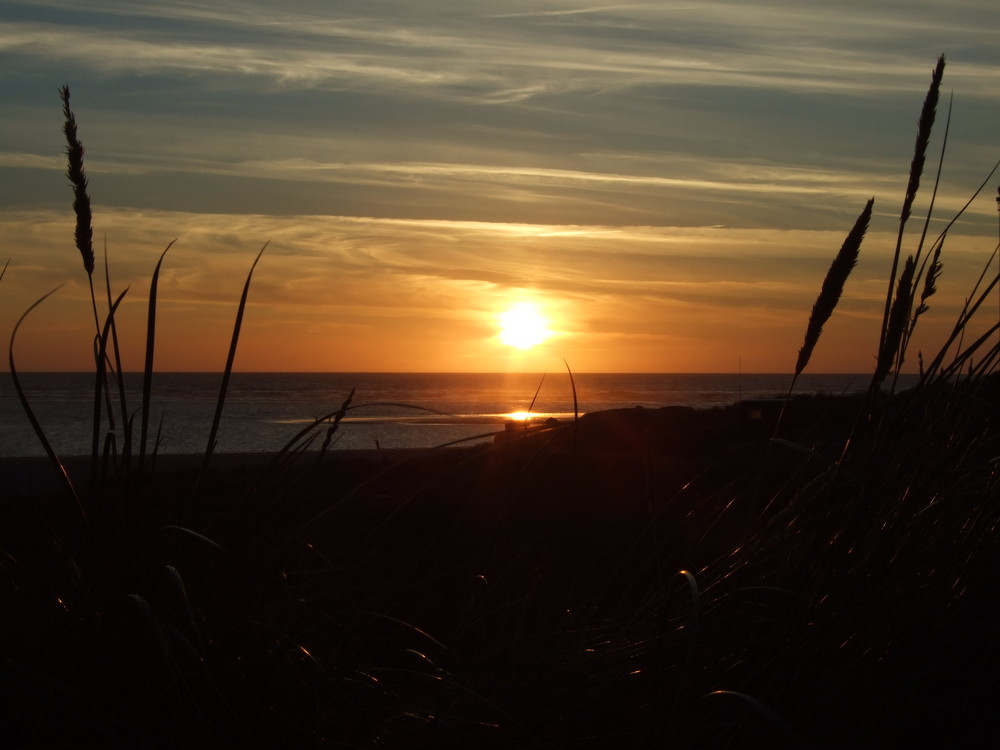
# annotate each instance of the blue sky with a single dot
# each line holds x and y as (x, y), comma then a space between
(666, 181)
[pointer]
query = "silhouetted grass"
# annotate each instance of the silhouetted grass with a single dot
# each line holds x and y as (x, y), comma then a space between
(638, 578)
(833, 287)
(887, 346)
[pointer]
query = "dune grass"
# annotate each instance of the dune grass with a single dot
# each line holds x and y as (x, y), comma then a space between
(636, 579)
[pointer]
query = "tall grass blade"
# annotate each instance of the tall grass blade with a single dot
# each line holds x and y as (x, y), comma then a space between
(39, 432)
(965, 206)
(964, 356)
(341, 413)
(119, 373)
(147, 370)
(967, 312)
(210, 448)
(572, 383)
(833, 287)
(899, 315)
(534, 398)
(101, 386)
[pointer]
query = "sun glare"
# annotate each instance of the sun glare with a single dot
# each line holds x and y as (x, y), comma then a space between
(522, 326)
(519, 416)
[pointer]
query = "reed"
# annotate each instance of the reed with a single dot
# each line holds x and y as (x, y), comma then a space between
(924, 126)
(833, 287)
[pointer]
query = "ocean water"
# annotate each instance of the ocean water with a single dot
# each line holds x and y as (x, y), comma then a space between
(263, 411)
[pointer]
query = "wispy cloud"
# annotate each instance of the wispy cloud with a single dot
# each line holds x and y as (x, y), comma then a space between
(503, 58)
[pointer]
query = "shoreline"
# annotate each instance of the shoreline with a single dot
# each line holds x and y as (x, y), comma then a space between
(675, 432)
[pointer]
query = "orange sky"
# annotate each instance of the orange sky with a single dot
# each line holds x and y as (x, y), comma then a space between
(669, 203)
(653, 309)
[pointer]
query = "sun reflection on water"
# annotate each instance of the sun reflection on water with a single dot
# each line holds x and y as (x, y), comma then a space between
(519, 416)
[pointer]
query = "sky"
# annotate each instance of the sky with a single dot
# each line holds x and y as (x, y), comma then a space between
(664, 183)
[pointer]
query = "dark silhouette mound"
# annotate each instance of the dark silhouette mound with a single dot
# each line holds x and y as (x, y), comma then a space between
(639, 577)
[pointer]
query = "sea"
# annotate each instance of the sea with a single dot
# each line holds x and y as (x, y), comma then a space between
(264, 411)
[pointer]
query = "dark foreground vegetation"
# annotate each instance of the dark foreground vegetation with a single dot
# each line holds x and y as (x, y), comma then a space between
(826, 576)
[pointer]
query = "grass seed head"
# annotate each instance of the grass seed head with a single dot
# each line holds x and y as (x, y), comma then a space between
(84, 234)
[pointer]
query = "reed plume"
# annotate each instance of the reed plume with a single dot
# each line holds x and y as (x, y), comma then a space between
(924, 126)
(833, 286)
(84, 234)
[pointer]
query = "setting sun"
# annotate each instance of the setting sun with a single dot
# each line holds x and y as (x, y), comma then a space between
(522, 326)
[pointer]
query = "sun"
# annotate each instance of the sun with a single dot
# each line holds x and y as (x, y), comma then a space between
(522, 326)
